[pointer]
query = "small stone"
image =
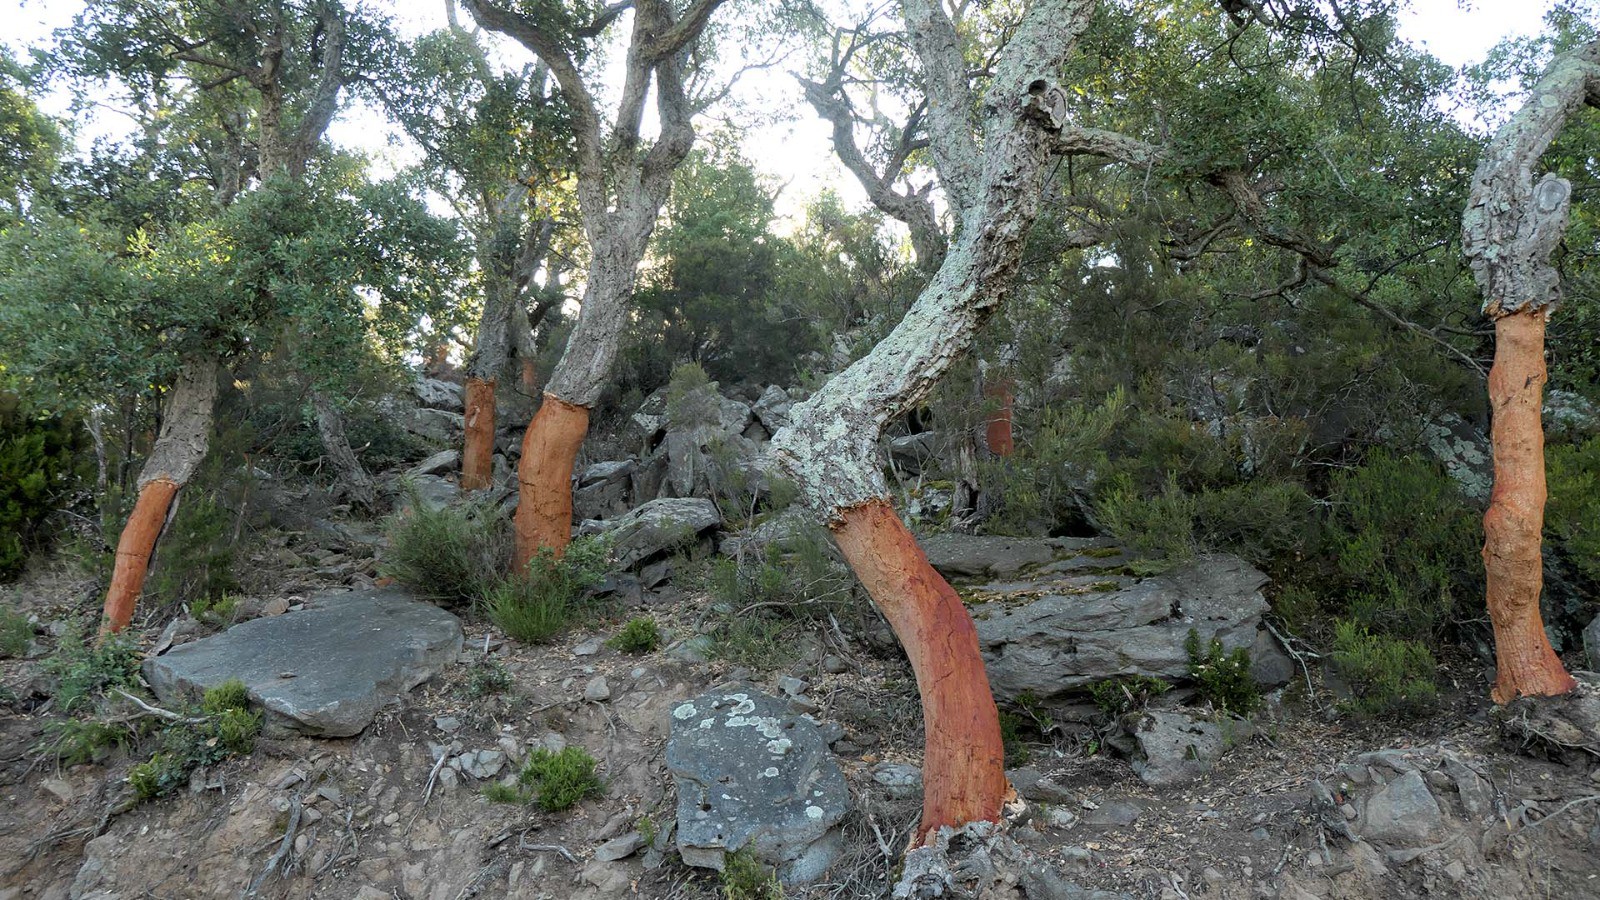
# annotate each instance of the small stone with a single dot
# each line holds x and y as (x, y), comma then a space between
(447, 724)
(620, 847)
(609, 879)
(391, 819)
(899, 779)
(1456, 870)
(1259, 835)
(597, 689)
(368, 892)
(1117, 814)
(1213, 876)
(331, 794)
(587, 648)
(1349, 811)
(483, 764)
(834, 665)
(1060, 817)
(275, 607)
(1028, 837)
(60, 788)
(791, 685)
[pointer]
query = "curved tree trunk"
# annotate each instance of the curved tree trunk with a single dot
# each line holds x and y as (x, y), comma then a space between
(831, 448)
(1514, 525)
(964, 755)
(352, 481)
(179, 448)
(1511, 226)
(489, 356)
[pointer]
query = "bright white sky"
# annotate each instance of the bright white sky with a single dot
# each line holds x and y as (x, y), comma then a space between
(794, 149)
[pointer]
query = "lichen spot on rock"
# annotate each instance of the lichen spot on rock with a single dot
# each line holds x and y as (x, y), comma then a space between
(683, 712)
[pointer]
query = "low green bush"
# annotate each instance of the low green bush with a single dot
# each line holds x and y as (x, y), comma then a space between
(1158, 528)
(744, 877)
(85, 670)
(197, 553)
(1572, 517)
(487, 676)
(1404, 543)
(640, 635)
(74, 741)
(15, 633)
(542, 602)
(1388, 676)
(452, 555)
(1223, 678)
(1116, 696)
(560, 780)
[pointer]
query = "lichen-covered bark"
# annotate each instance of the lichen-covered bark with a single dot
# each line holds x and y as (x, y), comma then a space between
(178, 451)
(1511, 226)
(831, 449)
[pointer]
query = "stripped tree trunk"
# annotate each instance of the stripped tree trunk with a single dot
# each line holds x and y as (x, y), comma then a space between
(831, 449)
(1510, 228)
(621, 187)
(178, 451)
(997, 430)
(351, 480)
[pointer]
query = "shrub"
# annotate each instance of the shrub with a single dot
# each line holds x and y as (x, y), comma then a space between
(74, 742)
(1405, 542)
(539, 604)
(1160, 527)
(36, 468)
(229, 695)
(15, 633)
(495, 792)
(487, 676)
(85, 670)
(1572, 518)
(765, 596)
(1120, 695)
(560, 780)
(197, 552)
(449, 555)
(1388, 676)
(744, 877)
(640, 635)
(220, 611)
(1017, 752)
(1223, 678)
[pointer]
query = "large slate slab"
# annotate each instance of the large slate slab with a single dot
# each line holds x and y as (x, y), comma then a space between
(325, 670)
(1063, 636)
(657, 527)
(751, 774)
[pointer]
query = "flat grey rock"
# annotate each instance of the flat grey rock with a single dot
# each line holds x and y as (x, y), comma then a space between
(971, 555)
(1176, 747)
(324, 670)
(438, 394)
(1060, 642)
(438, 464)
(750, 774)
(658, 527)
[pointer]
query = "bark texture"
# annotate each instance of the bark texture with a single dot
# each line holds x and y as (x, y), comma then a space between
(1513, 526)
(179, 449)
(997, 430)
(831, 449)
(477, 458)
(353, 482)
(544, 510)
(964, 763)
(622, 183)
(1511, 227)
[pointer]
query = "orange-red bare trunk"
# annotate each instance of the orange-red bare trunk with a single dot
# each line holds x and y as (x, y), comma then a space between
(997, 434)
(544, 508)
(477, 456)
(1513, 527)
(134, 548)
(963, 767)
(530, 377)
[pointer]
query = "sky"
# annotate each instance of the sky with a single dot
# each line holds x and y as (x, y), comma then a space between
(790, 145)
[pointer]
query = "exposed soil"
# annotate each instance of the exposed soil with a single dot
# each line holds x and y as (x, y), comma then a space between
(369, 826)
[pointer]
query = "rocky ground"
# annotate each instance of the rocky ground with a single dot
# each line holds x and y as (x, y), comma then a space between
(377, 790)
